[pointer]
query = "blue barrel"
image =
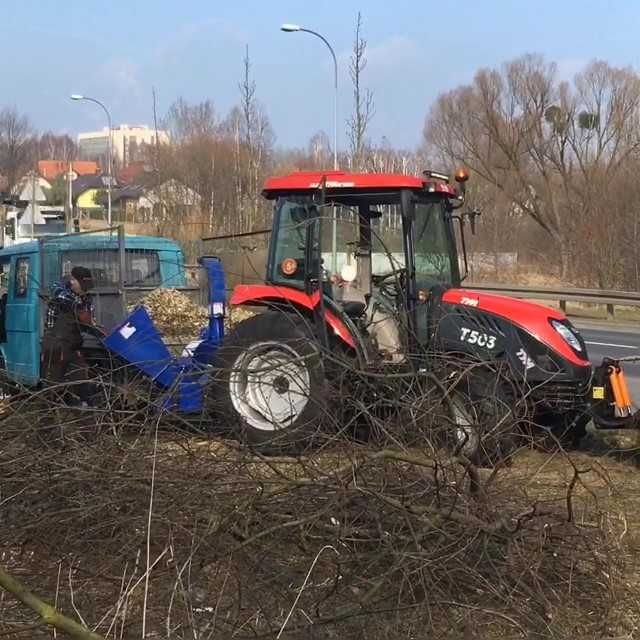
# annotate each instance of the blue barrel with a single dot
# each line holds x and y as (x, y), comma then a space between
(138, 341)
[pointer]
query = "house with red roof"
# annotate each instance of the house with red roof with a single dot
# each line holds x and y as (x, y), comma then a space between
(52, 169)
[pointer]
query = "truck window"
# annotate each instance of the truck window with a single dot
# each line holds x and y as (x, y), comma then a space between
(142, 266)
(22, 277)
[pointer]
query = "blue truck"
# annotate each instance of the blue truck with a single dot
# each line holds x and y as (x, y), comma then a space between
(124, 269)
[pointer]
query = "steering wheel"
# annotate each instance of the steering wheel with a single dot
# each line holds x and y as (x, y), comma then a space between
(394, 273)
(386, 288)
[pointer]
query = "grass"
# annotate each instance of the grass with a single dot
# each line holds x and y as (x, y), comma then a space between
(614, 485)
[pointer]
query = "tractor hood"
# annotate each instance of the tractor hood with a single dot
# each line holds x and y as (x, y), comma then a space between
(533, 318)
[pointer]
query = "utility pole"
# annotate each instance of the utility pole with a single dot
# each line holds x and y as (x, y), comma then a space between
(68, 218)
(76, 97)
(33, 205)
(292, 28)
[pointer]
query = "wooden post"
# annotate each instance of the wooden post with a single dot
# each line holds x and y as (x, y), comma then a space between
(563, 306)
(610, 314)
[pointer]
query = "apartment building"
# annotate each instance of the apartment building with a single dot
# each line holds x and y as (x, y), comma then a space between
(128, 142)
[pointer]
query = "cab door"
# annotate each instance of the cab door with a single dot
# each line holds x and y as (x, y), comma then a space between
(22, 320)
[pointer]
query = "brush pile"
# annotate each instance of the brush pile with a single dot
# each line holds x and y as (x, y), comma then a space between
(177, 316)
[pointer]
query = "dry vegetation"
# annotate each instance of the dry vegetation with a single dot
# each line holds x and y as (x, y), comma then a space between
(131, 519)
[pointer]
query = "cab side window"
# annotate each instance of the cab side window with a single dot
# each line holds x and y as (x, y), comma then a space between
(21, 284)
(291, 238)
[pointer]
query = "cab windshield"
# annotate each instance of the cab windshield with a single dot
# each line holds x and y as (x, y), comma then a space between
(341, 232)
(431, 245)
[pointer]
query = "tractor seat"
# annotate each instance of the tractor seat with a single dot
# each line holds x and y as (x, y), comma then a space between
(354, 308)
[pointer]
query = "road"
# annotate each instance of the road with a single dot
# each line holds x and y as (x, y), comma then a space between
(615, 342)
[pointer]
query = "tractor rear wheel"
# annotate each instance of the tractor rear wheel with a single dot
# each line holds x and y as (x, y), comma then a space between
(271, 384)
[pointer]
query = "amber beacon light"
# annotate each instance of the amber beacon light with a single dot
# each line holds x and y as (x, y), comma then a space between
(289, 266)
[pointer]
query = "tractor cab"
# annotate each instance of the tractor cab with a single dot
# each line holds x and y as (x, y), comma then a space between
(374, 244)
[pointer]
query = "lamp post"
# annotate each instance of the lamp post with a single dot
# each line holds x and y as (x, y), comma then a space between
(291, 28)
(77, 97)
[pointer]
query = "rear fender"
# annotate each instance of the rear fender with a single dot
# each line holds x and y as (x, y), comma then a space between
(264, 294)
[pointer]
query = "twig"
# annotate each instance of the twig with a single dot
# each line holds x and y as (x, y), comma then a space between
(48, 614)
(304, 584)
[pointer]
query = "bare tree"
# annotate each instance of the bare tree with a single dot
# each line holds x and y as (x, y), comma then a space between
(363, 104)
(383, 158)
(256, 137)
(50, 146)
(15, 138)
(320, 149)
(187, 122)
(550, 147)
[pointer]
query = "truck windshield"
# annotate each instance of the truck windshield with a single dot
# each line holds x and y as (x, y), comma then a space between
(431, 246)
(142, 266)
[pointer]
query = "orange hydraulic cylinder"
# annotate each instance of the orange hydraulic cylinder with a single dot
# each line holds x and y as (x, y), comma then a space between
(617, 392)
(624, 389)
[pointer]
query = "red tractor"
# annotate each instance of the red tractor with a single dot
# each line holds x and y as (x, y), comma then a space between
(364, 269)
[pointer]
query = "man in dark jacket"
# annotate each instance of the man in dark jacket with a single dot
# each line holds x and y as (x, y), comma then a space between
(69, 307)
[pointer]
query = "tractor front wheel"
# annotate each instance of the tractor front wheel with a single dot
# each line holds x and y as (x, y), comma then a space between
(484, 425)
(271, 383)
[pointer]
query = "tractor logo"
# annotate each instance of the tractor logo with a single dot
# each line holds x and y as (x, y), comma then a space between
(527, 362)
(477, 337)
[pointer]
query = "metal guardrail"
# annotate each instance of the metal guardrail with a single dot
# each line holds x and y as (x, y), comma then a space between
(610, 298)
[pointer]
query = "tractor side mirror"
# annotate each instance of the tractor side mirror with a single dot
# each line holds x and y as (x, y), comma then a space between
(473, 214)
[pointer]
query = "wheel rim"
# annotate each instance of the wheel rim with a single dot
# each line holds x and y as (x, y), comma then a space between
(465, 433)
(269, 385)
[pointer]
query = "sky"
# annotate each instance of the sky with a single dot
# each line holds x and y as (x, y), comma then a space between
(117, 50)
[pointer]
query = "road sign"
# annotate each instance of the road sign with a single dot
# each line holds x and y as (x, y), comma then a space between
(70, 176)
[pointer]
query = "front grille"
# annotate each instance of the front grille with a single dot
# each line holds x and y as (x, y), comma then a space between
(560, 395)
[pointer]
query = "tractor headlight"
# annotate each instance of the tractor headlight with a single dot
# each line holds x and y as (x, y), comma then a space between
(568, 336)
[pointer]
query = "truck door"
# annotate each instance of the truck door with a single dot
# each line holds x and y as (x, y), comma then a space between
(22, 321)
(5, 268)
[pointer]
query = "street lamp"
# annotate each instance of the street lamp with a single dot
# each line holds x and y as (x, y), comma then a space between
(77, 96)
(291, 28)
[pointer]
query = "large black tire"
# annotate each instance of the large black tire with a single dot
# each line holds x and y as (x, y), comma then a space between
(484, 428)
(467, 412)
(270, 386)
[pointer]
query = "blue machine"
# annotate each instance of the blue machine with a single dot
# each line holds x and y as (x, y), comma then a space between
(138, 341)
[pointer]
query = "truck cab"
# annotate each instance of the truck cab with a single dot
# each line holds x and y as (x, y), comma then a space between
(124, 269)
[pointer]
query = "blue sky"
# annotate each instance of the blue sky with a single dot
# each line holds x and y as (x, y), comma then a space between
(116, 50)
